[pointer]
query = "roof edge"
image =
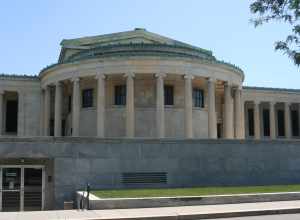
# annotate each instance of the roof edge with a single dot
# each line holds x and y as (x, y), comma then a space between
(271, 89)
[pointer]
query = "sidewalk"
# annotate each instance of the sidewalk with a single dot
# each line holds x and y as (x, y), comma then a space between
(166, 213)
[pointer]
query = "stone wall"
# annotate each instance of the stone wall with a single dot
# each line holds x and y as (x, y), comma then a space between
(101, 162)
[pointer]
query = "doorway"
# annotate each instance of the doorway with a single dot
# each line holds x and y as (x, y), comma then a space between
(22, 188)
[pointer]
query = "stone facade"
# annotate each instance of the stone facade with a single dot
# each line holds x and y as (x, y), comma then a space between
(143, 62)
(169, 99)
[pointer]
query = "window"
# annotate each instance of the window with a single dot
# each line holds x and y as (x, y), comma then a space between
(198, 98)
(266, 122)
(120, 95)
(69, 104)
(87, 98)
(295, 122)
(169, 95)
(251, 122)
(280, 122)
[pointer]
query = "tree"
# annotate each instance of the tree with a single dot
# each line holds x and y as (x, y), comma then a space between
(287, 11)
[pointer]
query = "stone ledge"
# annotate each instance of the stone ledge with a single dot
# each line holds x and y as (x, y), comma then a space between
(152, 202)
(40, 139)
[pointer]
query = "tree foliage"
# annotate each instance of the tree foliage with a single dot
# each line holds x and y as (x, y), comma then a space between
(287, 11)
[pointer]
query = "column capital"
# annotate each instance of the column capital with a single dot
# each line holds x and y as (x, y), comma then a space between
(45, 87)
(229, 84)
(1, 91)
(237, 87)
(211, 80)
(287, 104)
(188, 76)
(58, 84)
(100, 76)
(129, 75)
(273, 103)
(75, 79)
(160, 75)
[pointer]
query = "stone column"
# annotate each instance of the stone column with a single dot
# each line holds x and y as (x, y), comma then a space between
(243, 132)
(58, 109)
(1, 112)
(228, 112)
(130, 117)
(212, 119)
(100, 105)
(160, 105)
(47, 111)
(238, 119)
(75, 107)
(256, 121)
(272, 121)
(287, 120)
(188, 103)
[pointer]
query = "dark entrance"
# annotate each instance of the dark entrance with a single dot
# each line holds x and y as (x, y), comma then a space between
(11, 116)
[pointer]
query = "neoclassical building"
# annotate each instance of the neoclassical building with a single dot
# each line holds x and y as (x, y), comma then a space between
(141, 84)
(130, 109)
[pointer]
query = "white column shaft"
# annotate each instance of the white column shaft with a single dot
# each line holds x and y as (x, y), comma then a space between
(212, 119)
(287, 120)
(76, 107)
(160, 106)
(228, 114)
(256, 121)
(58, 110)
(238, 119)
(188, 101)
(100, 105)
(272, 121)
(130, 120)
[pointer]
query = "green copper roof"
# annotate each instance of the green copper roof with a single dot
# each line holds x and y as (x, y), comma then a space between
(138, 42)
(138, 35)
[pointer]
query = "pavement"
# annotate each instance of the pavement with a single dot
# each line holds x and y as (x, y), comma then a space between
(163, 213)
(266, 217)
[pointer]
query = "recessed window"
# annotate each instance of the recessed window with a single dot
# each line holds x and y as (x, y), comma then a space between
(198, 98)
(250, 122)
(120, 95)
(266, 122)
(280, 123)
(169, 95)
(295, 122)
(87, 98)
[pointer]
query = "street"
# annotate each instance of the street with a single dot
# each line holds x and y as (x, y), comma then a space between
(266, 217)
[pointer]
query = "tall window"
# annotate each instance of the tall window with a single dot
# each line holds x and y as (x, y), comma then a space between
(280, 122)
(295, 122)
(169, 95)
(266, 122)
(198, 97)
(251, 122)
(87, 98)
(120, 95)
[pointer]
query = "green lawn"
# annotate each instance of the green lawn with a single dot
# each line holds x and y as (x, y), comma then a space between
(195, 191)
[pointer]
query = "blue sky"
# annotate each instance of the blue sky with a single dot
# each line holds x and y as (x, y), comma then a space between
(32, 30)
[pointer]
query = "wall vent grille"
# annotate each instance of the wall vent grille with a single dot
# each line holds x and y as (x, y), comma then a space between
(144, 178)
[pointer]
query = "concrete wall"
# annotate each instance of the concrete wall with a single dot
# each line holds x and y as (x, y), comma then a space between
(101, 162)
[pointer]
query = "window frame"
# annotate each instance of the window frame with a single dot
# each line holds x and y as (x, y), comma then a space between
(198, 98)
(169, 100)
(120, 93)
(87, 101)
